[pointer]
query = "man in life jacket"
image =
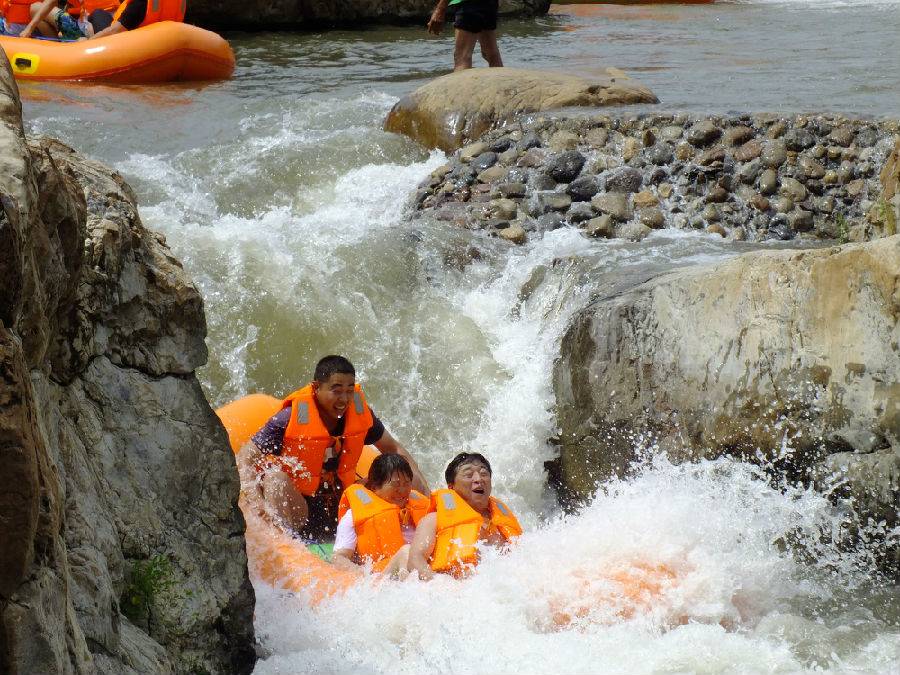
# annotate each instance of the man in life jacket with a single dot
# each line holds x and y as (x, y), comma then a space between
(378, 519)
(462, 518)
(306, 454)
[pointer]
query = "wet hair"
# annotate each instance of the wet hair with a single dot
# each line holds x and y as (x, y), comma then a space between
(384, 467)
(464, 458)
(331, 364)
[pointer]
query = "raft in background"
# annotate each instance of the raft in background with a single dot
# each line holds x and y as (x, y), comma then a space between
(167, 51)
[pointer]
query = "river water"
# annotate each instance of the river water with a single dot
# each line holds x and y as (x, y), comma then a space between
(286, 201)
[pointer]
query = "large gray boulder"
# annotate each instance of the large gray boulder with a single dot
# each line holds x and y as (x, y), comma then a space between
(454, 109)
(801, 347)
(293, 14)
(121, 543)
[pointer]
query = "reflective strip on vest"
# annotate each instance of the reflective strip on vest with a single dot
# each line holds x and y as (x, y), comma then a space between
(363, 497)
(303, 413)
(357, 403)
(501, 508)
(449, 502)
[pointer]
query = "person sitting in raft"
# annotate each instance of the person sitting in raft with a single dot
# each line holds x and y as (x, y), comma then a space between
(129, 15)
(378, 519)
(462, 517)
(55, 18)
(307, 453)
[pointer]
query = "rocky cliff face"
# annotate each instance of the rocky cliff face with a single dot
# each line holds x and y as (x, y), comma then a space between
(300, 14)
(121, 544)
(787, 357)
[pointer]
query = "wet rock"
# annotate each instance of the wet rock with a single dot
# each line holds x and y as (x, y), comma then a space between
(716, 228)
(711, 156)
(471, 151)
(644, 199)
(855, 187)
(554, 201)
(550, 221)
(515, 234)
(660, 154)
(684, 151)
(842, 136)
(768, 182)
(633, 231)
(717, 195)
(613, 203)
(565, 167)
(801, 221)
(601, 226)
(671, 133)
(626, 179)
(541, 181)
(529, 141)
(738, 135)
(512, 189)
(504, 209)
(583, 188)
(799, 139)
(653, 218)
(665, 190)
(782, 204)
(630, 149)
(703, 133)
(759, 203)
(866, 137)
(749, 172)
(780, 230)
(508, 156)
(774, 154)
(597, 137)
(794, 189)
(492, 175)
(711, 213)
(532, 158)
(579, 212)
(483, 161)
(563, 140)
(749, 150)
(502, 144)
(810, 167)
(777, 129)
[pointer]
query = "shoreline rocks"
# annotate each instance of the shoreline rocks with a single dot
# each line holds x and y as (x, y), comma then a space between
(316, 14)
(745, 177)
(121, 542)
(455, 109)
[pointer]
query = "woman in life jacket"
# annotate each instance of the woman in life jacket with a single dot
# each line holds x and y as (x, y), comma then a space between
(463, 518)
(378, 519)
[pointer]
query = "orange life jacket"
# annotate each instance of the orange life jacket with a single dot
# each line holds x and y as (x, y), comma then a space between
(158, 10)
(378, 522)
(307, 441)
(75, 7)
(458, 526)
(16, 11)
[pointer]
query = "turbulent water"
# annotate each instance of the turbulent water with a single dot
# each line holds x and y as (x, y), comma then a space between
(286, 202)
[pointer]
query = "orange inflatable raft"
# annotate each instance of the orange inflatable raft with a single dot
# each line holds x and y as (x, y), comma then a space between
(275, 556)
(284, 562)
(167, 51)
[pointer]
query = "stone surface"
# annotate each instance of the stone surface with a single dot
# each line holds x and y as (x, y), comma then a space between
(735, 358)
(112, 458)
(453, 109)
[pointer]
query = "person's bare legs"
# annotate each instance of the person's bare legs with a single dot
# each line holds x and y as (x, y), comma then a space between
(489, 49)
(463, 48)
(284, 500)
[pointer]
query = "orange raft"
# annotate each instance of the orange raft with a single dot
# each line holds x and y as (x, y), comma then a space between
(276, 557)
(161, 52)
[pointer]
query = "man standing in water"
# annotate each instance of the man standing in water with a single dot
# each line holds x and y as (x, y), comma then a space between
(462, 517)
(474, 21)
(307, 452)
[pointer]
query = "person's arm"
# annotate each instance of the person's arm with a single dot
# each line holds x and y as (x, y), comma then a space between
(114, 28)
(46, 7)
(344, 555)
(388, 445)
(423, 546)
(435, 24)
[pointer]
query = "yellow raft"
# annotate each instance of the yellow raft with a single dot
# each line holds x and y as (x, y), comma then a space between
(167, 51)
(284, 562)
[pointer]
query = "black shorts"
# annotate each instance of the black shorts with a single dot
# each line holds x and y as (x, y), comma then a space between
(474, 16)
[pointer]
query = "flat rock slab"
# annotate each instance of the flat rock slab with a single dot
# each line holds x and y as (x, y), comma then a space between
(452, 110)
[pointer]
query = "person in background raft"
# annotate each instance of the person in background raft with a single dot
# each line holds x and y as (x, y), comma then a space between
(461, 518)
(133, 14)
(307, 452)
(474, 21)
(66, 20)
(378, 519)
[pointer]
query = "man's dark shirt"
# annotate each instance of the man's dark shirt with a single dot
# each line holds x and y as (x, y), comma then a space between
(270, 439)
